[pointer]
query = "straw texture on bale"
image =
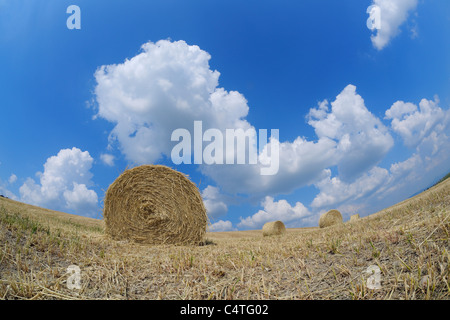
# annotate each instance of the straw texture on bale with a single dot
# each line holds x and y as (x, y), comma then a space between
(330, 218)
(354, 217)
(273, 228)
(154, 204)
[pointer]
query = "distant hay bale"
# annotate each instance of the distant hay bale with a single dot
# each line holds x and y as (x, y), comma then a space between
(330, 218)
(154, 204)
(273, 228)
(354, 217)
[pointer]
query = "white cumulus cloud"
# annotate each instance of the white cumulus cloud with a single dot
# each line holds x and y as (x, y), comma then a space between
(300, 162)
(107, 159)
(12, 178)
(221, 225)
(362, 140)
(334, 191)
(64, 184)
(167, 86)
(349, 137)
(214, 204)
(393, 14)
(80, 198)
(5, 192)
(415, 124)
(426, 129)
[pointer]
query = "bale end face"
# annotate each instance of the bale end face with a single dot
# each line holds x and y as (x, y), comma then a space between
(154, 204)
(273, 228)
(330, 218)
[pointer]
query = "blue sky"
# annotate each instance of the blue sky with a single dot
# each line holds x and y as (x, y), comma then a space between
(363, 116)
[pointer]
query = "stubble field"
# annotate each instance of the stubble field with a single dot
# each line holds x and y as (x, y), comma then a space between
(408, 245)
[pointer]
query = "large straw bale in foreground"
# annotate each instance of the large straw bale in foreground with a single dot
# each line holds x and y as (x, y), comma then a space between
(330, 218)
(154, 204)
(273, 228)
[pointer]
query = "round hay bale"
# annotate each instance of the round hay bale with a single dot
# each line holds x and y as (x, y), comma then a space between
(273, 228)
(330, 218)
(154, 204)
(354, 217)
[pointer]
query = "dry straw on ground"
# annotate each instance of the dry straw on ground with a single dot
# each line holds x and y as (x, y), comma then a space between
(354, 217)
(273, 228)
(154, 204)
(330, 218)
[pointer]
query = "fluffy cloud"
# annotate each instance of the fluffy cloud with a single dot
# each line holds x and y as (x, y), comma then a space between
(393, 14)
(275, 210)
(80, 198)
(300, 162)
(12, 178)
(334, 191)
(215, 207)
(5, 192)
(167, 86)
(362, 140)
(64, 184)
(427, 130)
(415, 124)
(349, 137)
(221, 226)
(380, 188)
(107, 159)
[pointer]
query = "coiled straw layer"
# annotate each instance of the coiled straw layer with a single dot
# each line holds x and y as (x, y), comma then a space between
(154, 204)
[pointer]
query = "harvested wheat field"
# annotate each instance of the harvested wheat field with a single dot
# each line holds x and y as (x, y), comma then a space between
(408, 244)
